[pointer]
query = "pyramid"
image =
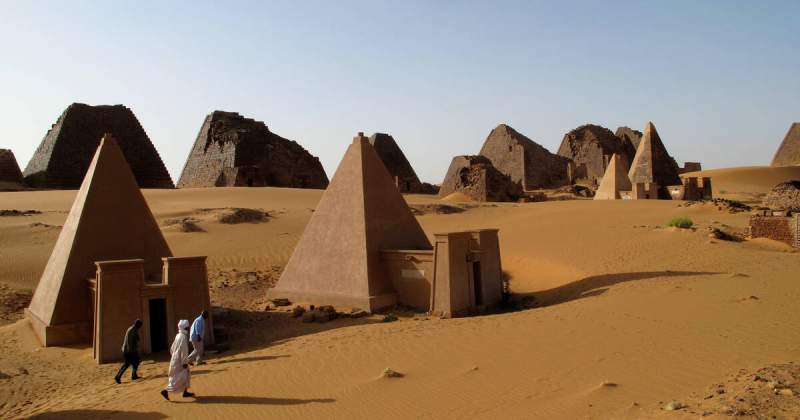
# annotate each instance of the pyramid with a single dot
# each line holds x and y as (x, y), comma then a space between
(109, 220)
(652, 163)
(337, 260)
(788, 153)
(396, 163)
(10, 175)
(614, 180)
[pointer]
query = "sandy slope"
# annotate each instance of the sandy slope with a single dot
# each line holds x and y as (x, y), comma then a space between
(748, 183)
(660, 313)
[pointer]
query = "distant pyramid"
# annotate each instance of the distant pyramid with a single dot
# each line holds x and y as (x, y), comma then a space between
(396, 163)
(109, 220)
(788, 153)
(337, 260)
(64, 154)
(614, 180)
(652, 163)
(10, 175)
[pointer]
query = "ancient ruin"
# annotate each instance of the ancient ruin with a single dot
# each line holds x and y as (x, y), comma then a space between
(690, 167)
(10, 175)
(477, 178)
(590, 147)
(630, 138)
(523, 160)
(363, 248)
(62, 158)
(653, 165)
(784, 197)
(692, 189)
(234, 151)
(614, 180)
(788, 154)
(396, 163)
(778, 226)
(111, 265)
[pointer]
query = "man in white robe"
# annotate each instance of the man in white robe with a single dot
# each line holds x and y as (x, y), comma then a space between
(179, 376)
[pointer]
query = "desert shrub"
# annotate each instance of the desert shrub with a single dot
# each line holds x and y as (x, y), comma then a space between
(681, 222)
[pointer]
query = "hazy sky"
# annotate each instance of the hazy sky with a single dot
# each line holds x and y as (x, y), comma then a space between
(720, 79)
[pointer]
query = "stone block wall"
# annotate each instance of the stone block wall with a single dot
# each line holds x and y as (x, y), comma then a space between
(778, 228)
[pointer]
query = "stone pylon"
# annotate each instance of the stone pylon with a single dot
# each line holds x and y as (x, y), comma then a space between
(337, 260)
(614, 180)
(109, 220)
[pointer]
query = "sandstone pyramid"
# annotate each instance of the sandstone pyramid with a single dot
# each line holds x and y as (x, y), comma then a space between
(590, 147)
(10, 175)
(396, 163)
(109, 220)
(630, 138)
(652, 163)
(234, 151)
(62, 158)
(478, 179)
(527, 163)
(337, 260)
(614, 180)
(788, 153)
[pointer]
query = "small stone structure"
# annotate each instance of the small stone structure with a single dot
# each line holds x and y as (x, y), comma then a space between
(615, 180)
(363, 248)
(788, 154)
(62, 158)
(690, 167)
(523, 160)
(641, 191)
(476, 177)
(784, 197)
(234, 151)
(111, 265)
(396, 163)
(590, 147)
(652, 164)
(10, 175)
(778, 226)
(692, 189)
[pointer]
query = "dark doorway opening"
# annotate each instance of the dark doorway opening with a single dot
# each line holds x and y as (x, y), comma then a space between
(477, 284)
(158, 325)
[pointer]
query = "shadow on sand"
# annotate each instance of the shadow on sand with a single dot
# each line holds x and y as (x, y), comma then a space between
(232, 399)
(98, 414)
(598, 285)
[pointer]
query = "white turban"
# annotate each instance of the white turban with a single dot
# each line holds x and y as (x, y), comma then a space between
(183, 324)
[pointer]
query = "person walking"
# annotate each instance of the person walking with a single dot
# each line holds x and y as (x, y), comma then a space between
(196, 336)
(179, 376)
(130, 352)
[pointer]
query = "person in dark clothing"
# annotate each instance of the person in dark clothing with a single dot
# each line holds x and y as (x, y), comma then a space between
(130, 351)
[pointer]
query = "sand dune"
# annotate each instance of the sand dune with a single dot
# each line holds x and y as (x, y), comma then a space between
(747, 183)
(629, 316)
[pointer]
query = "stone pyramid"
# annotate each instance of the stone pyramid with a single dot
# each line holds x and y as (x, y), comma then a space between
(788, 153)
(652, 163)
(614, 180)
(337, 260)
(109, 220)
(10, 175)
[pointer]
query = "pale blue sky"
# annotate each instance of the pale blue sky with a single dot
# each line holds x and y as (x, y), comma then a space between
(720, 79)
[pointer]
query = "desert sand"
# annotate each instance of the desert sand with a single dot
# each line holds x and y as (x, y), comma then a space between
(626, 316)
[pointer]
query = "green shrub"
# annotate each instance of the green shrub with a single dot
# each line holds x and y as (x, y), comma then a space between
(681, 222)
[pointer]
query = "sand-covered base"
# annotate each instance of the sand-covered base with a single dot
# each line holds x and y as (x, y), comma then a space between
(629, 316)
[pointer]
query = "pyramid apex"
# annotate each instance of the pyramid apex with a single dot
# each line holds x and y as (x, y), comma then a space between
(360, 138)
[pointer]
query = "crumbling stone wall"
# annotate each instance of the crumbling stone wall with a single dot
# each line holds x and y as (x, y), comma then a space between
(630, 138)
(10, 175)
(232, 150)
(778, 228)
(590, 147)
(788, 154)
(527, 163)
(476, 177)
(396, 163)
(784, 196)
(63, 157)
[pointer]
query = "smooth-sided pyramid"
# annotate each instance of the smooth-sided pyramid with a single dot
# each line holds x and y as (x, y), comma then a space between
(614, 180)
(788, 154)
(337, 260)
(109, 220)
(652, 163)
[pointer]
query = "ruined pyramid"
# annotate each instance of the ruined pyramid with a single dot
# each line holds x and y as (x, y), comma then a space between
(788, 154)
(10, 175)
(109, 220)
(614, 180)
(653, 164)
(396, 163)
(337, 260)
